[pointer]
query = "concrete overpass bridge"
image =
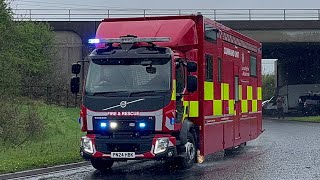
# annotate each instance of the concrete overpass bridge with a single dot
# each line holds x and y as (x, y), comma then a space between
(290, 35)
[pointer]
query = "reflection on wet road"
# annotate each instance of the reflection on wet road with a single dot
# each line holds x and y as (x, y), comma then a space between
(286, 150)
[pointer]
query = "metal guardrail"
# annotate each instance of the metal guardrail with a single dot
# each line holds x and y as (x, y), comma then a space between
(216, 14)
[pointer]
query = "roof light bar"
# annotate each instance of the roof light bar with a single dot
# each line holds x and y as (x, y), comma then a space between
(129, 40)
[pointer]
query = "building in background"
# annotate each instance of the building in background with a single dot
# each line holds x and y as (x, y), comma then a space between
(268, 66)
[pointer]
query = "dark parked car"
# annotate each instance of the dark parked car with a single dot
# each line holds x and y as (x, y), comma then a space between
(310, 104)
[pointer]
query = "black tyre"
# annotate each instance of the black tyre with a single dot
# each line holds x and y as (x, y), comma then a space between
(235, 150)
(189, 158)
(314, 111)
(102, 165)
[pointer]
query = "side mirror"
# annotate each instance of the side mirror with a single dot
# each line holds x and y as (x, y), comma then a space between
(75, 85)
(192, 67)
(76, 68)
(192, 83)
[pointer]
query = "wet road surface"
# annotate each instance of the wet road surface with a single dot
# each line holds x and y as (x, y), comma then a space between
(286, 150)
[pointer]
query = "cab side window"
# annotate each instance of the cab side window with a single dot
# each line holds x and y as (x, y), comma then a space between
(210, 33)
(219, 70)
(209, 68)
(253, 65)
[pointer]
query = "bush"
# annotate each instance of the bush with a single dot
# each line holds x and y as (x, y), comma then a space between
(26, 53)
(18, 121)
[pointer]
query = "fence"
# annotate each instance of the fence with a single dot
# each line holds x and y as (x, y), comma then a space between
(216, 14)
(51, 95)
(48, 94)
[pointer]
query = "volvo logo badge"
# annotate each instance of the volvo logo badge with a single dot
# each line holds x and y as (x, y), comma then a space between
(123, 104)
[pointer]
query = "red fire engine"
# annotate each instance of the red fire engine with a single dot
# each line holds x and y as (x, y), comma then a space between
(177, 87)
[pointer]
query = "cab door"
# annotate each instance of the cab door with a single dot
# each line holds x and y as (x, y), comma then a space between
(237, 105)
(180, 87)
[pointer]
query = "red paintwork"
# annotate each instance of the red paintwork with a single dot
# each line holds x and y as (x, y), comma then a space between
(183, 36)
(83, 116)
(187, 40)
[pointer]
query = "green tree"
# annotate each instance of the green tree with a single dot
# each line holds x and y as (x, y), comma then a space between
(25, 51)
(6, 65)
(268, 86)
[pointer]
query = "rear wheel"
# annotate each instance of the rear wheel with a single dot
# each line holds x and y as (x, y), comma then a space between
(102, 165)
(235, 150)
(189, 158)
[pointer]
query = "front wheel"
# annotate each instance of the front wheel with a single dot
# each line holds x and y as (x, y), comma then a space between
(189, 158)
(102, 165)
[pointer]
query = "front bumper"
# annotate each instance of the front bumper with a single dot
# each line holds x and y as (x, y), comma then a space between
(143, 147)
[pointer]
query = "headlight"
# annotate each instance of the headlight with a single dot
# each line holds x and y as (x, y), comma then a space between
(113, 125)
(87, 145)
(161, 145)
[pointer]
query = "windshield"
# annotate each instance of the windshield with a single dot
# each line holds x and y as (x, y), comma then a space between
(132, 75)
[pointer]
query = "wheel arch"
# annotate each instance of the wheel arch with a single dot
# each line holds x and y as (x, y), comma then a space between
(189, 126)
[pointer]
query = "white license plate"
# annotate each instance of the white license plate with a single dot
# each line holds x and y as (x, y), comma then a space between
(123, 155)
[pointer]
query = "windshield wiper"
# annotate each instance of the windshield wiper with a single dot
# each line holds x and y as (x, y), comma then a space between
(147, 92)
(108, 93)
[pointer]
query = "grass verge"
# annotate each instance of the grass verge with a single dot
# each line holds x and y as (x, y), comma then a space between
(315, 119)
(59, 144)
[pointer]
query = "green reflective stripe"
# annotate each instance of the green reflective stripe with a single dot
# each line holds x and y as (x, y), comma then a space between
(240, 92)
(259, 93)
(217, 107)
(208, 91)
(174, 86)
(231, 107)
(194, 109)
(244, 106)
(185, 107)
(249, 92)
(254, 105)
(225, 91)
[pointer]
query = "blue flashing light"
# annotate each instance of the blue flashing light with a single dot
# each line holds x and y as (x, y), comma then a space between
(142, 125)
(172, 121)
(103, 125)
(94, 41)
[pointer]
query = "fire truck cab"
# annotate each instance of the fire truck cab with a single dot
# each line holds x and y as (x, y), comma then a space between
(176, 87)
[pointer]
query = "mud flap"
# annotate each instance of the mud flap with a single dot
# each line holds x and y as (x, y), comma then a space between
(200, 158)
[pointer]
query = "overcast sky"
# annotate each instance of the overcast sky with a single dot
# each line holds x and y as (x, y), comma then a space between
(212, 4)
